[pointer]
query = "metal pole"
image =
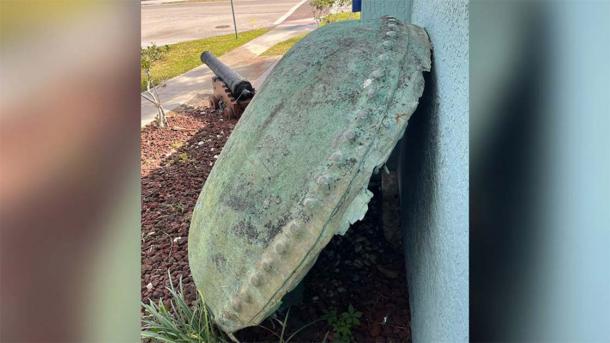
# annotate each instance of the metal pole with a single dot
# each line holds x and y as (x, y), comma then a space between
(234, 23)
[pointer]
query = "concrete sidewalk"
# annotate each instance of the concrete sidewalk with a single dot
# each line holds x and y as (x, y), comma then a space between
(195, 85)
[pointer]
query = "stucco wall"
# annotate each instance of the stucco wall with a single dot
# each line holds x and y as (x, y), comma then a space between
(434, 178)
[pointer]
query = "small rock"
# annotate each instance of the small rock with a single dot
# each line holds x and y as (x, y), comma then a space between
(149, 286)
(387, 272)
(200, 143)
(215, 157)
(375, 330)
(387, 331)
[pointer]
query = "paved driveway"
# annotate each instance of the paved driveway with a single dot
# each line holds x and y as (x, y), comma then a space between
(168, 23)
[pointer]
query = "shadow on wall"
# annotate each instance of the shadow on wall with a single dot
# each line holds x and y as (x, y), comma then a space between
(417, 163)
(418, 154)
(417, 180)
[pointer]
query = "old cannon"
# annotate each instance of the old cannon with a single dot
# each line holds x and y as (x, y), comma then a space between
(296, 168)
(231, 92)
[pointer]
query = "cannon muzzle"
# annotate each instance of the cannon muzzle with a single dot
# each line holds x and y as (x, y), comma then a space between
(240, 87)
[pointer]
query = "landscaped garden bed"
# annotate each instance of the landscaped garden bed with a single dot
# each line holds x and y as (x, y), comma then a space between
(360, 270)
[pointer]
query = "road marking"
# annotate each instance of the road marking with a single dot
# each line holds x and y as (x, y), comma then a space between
(289, 13)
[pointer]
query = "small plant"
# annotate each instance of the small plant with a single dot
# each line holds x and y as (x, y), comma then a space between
(282, 336)
(177, 145)
(343, 323)
(184, 157)
(180, 323)
(148, 56)
(322, 8)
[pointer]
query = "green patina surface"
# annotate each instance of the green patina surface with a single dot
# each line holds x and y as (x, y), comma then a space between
(296, 168)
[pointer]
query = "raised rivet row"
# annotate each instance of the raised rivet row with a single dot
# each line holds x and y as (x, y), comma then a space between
(311, 203)
(294, 228)
(256, 279)
(323, 182)
(337, 156)
(281, 246)
(349, 135)
(392, 25)
(267, 264)
(387, 122)
(246, 296)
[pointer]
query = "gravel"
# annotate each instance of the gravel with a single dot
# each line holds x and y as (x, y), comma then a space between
(359, 269)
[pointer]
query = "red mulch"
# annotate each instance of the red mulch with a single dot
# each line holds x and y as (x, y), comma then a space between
(360, 269)
(175, 163)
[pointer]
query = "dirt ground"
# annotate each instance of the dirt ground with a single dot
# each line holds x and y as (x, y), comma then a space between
(360, 269)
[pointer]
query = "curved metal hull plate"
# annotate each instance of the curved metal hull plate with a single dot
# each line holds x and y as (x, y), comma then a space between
(295, 170)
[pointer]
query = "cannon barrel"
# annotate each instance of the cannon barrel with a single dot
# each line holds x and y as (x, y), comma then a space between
(239, 86)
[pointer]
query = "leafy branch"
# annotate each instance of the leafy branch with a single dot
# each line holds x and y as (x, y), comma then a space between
(148, 56)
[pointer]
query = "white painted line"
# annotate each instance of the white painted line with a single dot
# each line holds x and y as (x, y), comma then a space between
(289, 13)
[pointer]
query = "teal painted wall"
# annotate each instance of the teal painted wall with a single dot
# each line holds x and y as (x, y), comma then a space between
(433, 172)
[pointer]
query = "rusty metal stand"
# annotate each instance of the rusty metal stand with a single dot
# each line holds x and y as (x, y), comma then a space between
(223, 100)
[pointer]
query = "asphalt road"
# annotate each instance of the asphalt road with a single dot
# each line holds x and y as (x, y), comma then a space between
(169, 23)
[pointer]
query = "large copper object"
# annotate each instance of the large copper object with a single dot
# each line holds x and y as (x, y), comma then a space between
(296, 168)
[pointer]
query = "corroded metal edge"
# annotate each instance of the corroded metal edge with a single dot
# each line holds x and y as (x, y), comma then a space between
(313, 232)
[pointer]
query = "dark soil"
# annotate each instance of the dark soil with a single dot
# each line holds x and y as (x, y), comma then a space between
(359, 269)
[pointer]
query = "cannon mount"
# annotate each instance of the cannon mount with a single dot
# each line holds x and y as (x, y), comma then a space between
(231, 92)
